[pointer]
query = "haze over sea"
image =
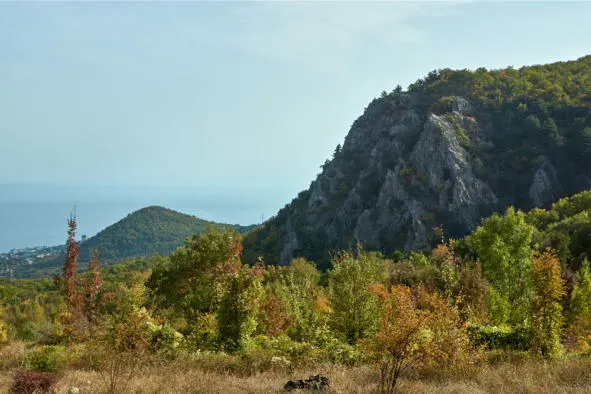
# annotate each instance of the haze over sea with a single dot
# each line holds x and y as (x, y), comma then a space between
(35, 215)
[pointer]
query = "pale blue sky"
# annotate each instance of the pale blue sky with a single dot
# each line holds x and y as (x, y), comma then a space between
(233, 99)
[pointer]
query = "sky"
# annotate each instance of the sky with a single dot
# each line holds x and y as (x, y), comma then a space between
(230, 101)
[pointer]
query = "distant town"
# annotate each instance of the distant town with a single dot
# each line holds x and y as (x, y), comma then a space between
(17, 257)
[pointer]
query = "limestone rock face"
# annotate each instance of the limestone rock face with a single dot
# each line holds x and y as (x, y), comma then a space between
(403, 173)
(411, 169)
(545, 184)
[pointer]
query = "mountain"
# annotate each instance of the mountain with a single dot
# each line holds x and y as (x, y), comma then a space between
(148, 231)
(451, 149)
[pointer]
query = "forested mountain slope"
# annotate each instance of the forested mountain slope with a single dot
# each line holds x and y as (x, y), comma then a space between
(451, 149)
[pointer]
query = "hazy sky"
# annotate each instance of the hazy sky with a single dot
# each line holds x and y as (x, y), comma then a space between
(234, 98)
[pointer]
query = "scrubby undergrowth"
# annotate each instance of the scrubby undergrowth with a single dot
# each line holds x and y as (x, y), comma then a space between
(527, 376)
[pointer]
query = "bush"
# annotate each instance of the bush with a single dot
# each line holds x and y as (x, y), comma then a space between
(26, 382)
(443, 105)
(203, 335)
(48, 359)
(165, 339)
(494, 338)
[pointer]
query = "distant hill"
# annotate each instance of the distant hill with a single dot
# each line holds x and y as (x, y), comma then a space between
(148, 231)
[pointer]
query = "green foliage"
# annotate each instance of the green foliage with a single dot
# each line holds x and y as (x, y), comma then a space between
(580, 302)
(189, 282)
(48, 359)
(355, 309)
(164, 338)
(412, 271)
(500, 338)
(503, 245)
(299, 290)
(442, 105)
(203, 335)
(202, 301)
(238, 307)
(29, 321)
(566, 228)
(579, 314)
(121, 344)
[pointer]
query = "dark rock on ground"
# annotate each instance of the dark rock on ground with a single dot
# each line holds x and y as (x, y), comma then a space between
(317, 382)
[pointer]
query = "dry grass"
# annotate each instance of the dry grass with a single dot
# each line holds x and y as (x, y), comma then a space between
(569, 376)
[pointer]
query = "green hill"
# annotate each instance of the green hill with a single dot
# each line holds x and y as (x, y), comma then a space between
(148, 231)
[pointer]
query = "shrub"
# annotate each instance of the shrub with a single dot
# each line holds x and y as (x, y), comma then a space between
(499, 338)
(355, 309)
(48, 359)
(26, 382)
(203, 335)
(164, 338)
(443, 105)
(421, 331)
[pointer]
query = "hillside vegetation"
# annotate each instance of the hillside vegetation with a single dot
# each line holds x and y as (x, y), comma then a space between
(514, 292)
(453, 148)
(500, 303)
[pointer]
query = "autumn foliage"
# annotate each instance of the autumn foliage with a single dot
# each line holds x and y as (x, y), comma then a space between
(420, 331)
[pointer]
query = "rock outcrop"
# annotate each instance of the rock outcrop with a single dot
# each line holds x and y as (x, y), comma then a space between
(413, 164)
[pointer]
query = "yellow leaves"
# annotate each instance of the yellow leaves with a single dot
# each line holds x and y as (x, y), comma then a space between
(546, 310)
(322, 305)
(546, 275)
(379, 290)
(3, 332)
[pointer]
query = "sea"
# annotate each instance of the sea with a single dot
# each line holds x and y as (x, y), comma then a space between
(34, 223)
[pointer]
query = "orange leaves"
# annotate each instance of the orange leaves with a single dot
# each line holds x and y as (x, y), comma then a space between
(419, 330)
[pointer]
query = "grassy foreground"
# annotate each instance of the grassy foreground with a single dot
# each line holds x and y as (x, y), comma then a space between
(504, 375)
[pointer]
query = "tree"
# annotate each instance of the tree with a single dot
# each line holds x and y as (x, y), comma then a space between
(298, 287)
(580, 304)
(69, 282)
(92, 286)
(421, 331)
(191, 281)
(503, 245)
(238, 308)
(355, 308)
(70, 266)
(579, 315)
(551, 133)
(122, 342)
(546, 308)
(532, 124)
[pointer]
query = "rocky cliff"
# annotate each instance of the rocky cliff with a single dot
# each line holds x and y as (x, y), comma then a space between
(428, 159)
